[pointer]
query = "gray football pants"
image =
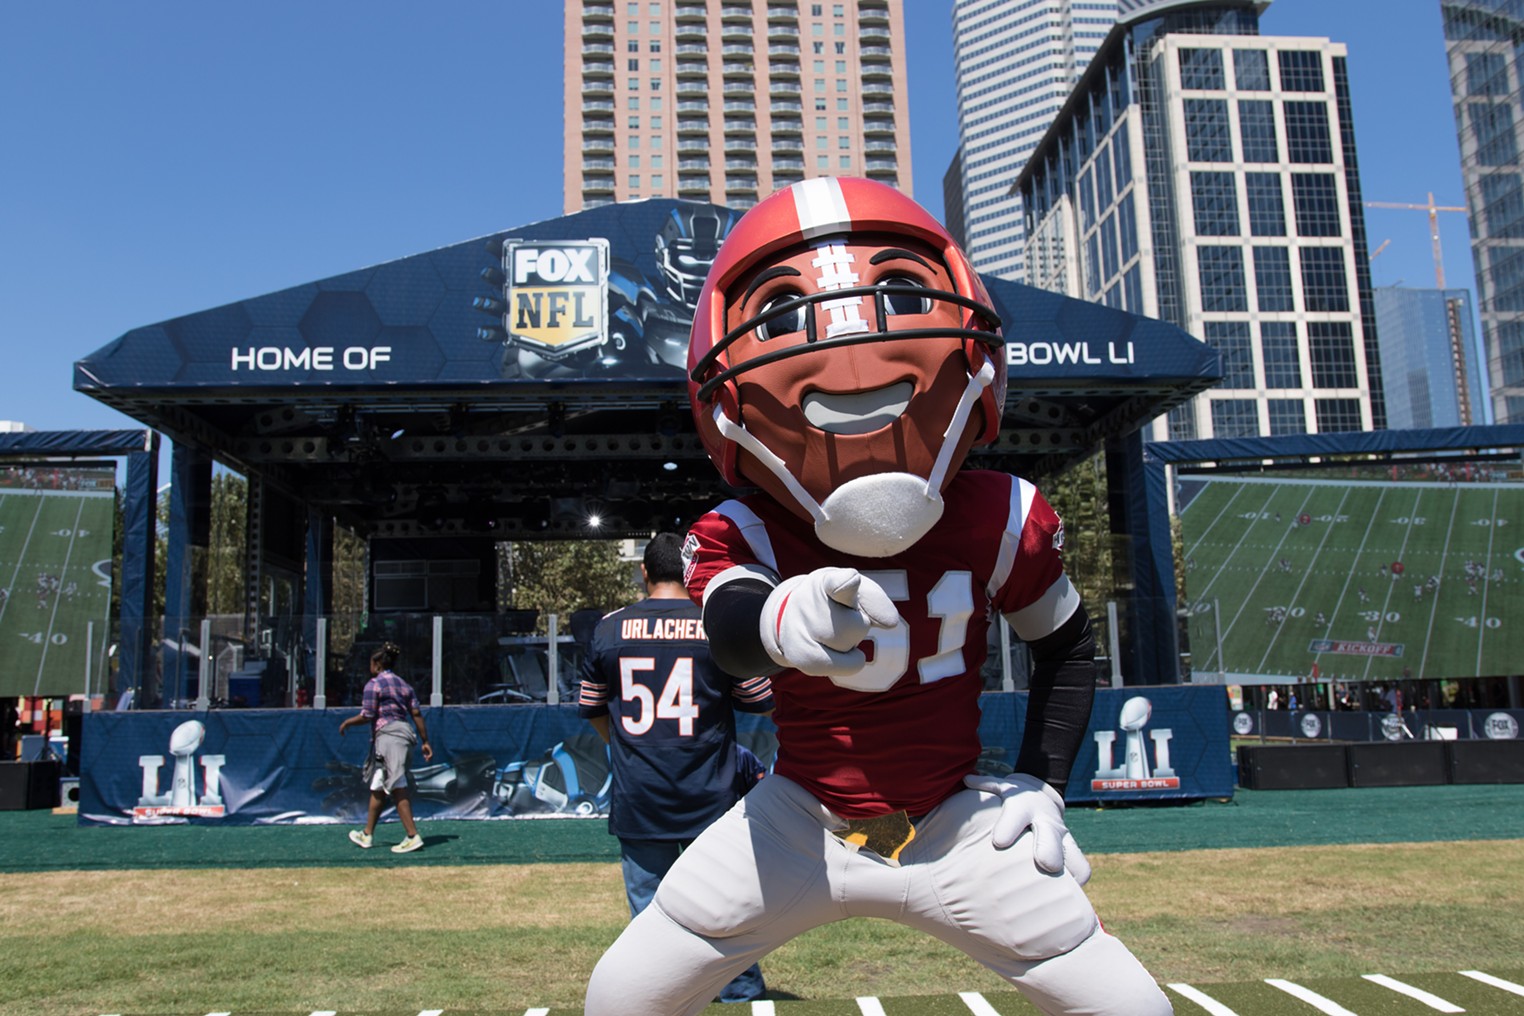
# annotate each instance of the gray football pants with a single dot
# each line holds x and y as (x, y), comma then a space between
(770, 870)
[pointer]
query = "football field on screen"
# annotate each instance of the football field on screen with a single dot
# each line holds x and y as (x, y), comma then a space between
(55, 569)
(1354, 580)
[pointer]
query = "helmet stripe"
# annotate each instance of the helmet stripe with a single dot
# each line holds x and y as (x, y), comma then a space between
(821, 207)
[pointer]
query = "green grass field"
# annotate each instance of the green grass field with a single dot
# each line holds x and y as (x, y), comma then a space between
(1304, 573)
(55, 568)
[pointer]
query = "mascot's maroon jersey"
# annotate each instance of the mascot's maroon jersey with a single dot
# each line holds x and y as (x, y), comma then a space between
(904, 732)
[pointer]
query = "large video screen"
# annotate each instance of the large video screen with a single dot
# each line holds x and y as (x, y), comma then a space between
(55, 577)
(1368, 573)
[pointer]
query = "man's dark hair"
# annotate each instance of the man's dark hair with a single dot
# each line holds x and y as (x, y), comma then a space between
(664, 558)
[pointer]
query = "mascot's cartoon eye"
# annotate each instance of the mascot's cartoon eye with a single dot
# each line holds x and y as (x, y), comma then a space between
(904, 303)
(783, 323)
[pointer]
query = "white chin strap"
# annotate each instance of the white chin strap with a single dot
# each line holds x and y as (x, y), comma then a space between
(878, 515)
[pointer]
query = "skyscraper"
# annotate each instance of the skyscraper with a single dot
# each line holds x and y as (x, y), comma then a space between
(1016, 62)
(1204, 174)
(1483, 40)
(1428, 365)
(728, 100)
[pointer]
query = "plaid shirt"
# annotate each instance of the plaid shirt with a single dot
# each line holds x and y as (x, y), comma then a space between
(387, 698)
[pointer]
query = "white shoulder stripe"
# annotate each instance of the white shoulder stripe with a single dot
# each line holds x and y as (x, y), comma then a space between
(1022, 493)
(821, 207)
(753, 530)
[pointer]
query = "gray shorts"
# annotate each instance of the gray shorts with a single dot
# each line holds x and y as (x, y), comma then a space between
(387, 765)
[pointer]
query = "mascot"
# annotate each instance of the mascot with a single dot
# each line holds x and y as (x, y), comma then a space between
(844, 360)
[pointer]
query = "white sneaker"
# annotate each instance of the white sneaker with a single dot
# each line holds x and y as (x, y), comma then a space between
(408, 845)
(359, 838)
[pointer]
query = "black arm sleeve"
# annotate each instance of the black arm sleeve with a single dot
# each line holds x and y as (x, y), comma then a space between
(732, 616)
(1058, 710)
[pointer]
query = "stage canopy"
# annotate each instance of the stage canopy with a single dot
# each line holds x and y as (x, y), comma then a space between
(514, 384)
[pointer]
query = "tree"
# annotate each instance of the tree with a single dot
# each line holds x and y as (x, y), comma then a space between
(559, 577)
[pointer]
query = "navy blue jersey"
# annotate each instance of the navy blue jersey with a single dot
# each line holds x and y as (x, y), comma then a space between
(672, 730)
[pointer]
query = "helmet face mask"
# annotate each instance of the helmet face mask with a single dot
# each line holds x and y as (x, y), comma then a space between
(847, 373)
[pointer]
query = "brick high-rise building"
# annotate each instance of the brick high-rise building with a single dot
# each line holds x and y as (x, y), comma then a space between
(728, 100)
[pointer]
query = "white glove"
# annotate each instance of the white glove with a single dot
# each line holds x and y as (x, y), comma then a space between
(1029, 803)
(812, 623)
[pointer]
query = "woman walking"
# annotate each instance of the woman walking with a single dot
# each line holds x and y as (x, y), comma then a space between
(387, 704)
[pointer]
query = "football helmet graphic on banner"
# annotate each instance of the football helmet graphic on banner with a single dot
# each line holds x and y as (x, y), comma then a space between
(845, 358)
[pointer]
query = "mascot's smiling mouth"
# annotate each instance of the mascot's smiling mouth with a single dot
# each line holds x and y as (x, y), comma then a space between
(857, 412)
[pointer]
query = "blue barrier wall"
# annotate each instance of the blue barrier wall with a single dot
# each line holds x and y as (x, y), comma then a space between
(291, 766)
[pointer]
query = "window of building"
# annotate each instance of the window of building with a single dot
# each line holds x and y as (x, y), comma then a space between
(634, 140)
(1301, 70)
(655, 164)
(1251, 70)
(818, 47)
(1503, 206)
(634, 181)
(841, 104)
(654, 9)
(655, 126)
(634, 161)
(818, 66)
(820, 84)
(1201, 68)
(1182, 423)
(1220, 274)
(1315, 196)
(1232, 342)
(837, 10)
(655, 102)
(1208, 136)
(841, 84)
(1132, 290)
(1267, 209)
(633, 46)
(633, 84)
(1505, 269)
(822, 162)
(632, 10)
(655, 67)
(1122, 150)
(1214, 199)
(634, 123)
(817, 29)
(820, 123)
(1256, 130)
(656, 84)
(845, 161)
(1235, 418)
(815, 10)
(838, 29)
(1486, 74)
(1492, 123)
(841, 47)
(820, 105)
(821, 141)
(633, 102)
(841, 67)
(1127, 226)
(1331, 349)
(655, 47)
(1287, 416)
(843, 142)
(1307, 138)
(655, 26)
(1337, 416)
(1272, 279)
(657, 181)
(632, 28)
(1324, 286)
(1282, 356)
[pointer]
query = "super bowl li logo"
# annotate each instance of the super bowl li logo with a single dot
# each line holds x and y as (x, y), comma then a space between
(1135, 771)
(182, 799)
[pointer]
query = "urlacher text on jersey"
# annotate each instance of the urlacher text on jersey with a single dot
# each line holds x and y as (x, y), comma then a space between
(662, 628)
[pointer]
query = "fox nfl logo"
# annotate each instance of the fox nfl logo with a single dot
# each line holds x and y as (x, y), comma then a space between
(557, 295)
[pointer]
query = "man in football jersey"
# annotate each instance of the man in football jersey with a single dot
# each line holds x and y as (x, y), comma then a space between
(844, 359)
(651, 690)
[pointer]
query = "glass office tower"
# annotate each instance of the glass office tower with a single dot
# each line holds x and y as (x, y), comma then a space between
(1485, 43)
(1204, 174)
(1428, 360)
(1016, 62)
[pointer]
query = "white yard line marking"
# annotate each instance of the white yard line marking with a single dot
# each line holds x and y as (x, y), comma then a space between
(536, 1012)
(21, 557)
(324, 1012)
(1201, 998)
(1430, 1000)
(1496, 982)
(870, 1006)
(763, 1008)
(1296, 596)
(432, 1012)
(63, 573)
(1309, 996)
(977, 1004)
(1386, 601)
(1444, 555)
(1485, 581)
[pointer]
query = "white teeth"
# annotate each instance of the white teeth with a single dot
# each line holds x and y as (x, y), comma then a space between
(857, 412)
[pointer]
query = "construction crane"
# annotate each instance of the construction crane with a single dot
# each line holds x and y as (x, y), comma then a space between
(1433, 210)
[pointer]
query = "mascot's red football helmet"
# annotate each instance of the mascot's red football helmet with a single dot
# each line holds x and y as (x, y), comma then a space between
(844, 358)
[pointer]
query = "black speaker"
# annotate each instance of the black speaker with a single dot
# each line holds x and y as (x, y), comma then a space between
(1299, 767)
(73, 724)
(1398, 764)
(1486, 761)
(28, 785)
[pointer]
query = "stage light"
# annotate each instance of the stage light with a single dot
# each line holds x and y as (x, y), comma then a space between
(489, 305)
(669, 466)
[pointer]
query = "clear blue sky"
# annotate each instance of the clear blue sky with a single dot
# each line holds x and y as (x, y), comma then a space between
(161, 158)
